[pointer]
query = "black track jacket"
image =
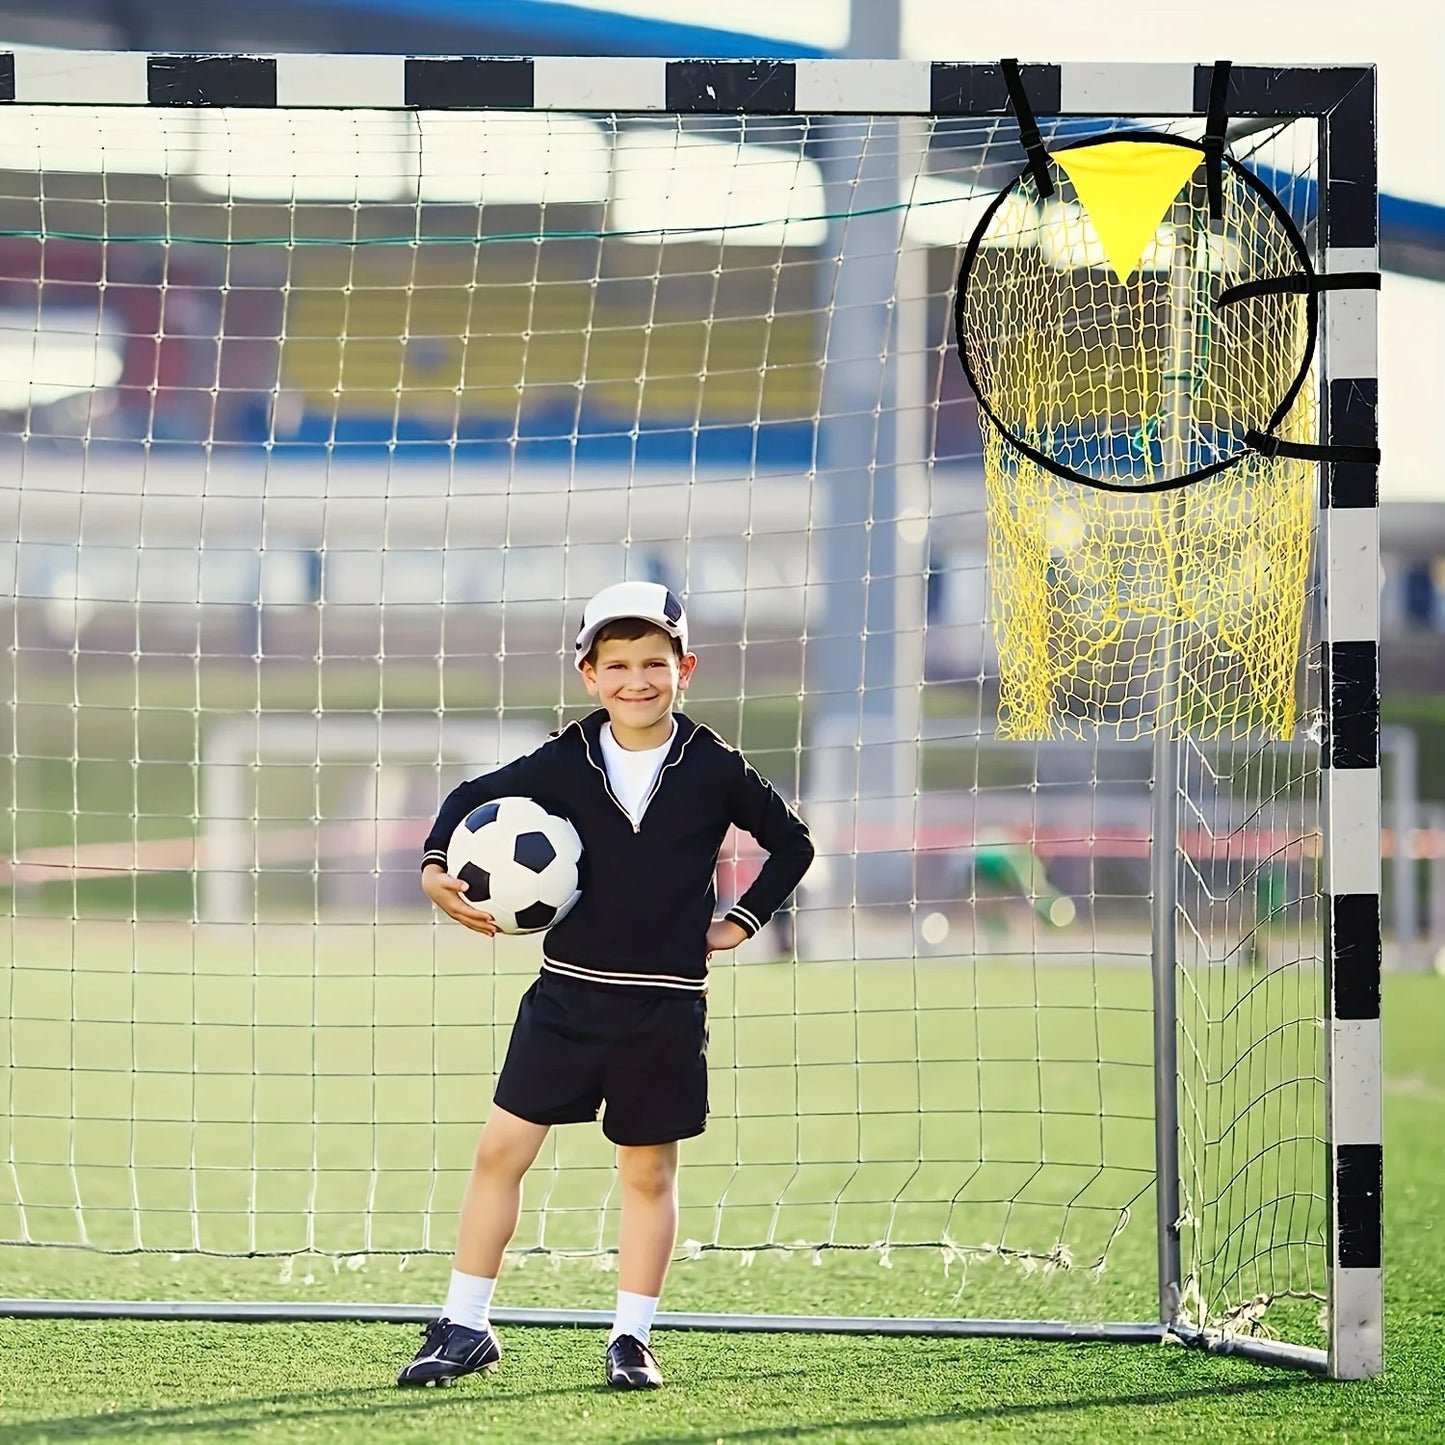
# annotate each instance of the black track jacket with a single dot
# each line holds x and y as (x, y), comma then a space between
(648, 889)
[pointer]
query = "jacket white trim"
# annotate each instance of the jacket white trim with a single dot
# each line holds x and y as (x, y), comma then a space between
(612, 976)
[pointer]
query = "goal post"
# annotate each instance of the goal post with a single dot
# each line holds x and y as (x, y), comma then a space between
(335, 384)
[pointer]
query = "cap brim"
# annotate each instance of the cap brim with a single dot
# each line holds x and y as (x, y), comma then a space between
(588, 635)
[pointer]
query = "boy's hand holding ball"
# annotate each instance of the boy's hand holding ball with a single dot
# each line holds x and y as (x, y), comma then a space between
(450, 895)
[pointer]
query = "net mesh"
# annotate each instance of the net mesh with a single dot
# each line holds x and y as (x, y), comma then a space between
(331, 441)
(1251, 1075)
(1135, 382)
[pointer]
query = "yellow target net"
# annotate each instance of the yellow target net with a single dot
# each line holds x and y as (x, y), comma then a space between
(1136, 364)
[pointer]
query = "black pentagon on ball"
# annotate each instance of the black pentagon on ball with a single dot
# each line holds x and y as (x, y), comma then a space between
(480, 817)
(534, 851)
(535, 915)
(478, 881)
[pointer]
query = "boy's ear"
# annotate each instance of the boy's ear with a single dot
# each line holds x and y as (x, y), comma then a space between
(685, 669)
(589, 676)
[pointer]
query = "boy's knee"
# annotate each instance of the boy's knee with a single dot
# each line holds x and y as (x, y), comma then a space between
(500, 1153)
(492, 1154)
(499, 1159)
(649, 1172)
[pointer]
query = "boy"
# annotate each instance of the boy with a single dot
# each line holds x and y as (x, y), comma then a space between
(617, 1019)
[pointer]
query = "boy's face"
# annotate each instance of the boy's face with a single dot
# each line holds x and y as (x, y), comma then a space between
(637, 681)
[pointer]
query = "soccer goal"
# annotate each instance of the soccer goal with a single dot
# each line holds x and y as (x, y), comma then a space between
(333, 386)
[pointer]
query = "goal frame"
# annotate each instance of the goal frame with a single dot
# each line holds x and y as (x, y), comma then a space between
(1342, 100)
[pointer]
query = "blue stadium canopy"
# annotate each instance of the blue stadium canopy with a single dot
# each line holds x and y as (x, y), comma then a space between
(487, 27)
(1413, 228)
(555, 29)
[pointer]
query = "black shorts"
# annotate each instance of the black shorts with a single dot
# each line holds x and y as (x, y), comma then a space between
(639, 1057)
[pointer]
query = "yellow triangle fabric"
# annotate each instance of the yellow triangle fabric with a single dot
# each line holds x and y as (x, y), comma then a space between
(1127, 188)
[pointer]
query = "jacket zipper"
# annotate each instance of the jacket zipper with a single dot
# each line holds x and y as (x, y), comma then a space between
(606, 781)
(657, 781)
(651, 792)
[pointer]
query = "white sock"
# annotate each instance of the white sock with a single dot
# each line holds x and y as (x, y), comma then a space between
(468, 1300)
(634, 1316)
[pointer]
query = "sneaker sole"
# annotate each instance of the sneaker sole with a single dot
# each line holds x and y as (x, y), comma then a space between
(447, 1381)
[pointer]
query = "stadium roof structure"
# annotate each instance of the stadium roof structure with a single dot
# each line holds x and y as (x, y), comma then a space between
(518, 27)
(1412, 221)
(552, 26)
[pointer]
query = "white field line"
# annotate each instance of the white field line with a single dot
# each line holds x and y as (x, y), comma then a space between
(367, 840)
(1415, 1086)
(363, 840)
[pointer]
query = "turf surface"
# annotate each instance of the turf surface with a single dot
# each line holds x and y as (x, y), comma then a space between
(286, 1090)
(119, 1380)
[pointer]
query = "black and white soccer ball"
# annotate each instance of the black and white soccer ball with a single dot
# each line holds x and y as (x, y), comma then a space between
(520, 863)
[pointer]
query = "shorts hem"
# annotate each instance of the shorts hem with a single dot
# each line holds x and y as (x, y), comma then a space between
(529, 1116)
(671, 1136)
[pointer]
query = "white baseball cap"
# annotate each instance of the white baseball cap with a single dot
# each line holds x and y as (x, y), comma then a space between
(649, 601)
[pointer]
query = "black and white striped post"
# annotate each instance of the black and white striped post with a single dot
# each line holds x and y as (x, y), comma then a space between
(1343, 101)
(1351, 556)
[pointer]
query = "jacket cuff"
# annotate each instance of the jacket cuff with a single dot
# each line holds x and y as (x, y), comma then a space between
(745, 919)
(433, 855)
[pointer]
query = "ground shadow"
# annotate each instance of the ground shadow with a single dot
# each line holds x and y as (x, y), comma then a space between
(794, 1430)
(363, 1402)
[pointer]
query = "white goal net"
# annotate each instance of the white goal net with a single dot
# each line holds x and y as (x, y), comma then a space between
(319, 428)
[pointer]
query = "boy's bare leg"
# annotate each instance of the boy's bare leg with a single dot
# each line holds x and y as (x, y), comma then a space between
(649, 1231)
(461, 1341)
(648, 1174)
(493, 1200)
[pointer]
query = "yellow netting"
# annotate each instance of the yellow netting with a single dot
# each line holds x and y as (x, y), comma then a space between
(1133, 610)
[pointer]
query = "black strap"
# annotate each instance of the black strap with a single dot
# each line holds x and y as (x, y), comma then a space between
(1029, 137)
(1215, 124)
(1271, 446)
(1300, 284)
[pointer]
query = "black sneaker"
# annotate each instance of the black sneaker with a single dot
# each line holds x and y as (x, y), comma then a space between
(450, 1351)
(631, 1365)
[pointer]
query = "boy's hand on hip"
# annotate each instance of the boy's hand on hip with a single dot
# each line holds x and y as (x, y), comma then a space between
(723, 933)
(450, 895)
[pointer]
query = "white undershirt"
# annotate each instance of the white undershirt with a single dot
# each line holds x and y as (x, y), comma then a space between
(632, 774)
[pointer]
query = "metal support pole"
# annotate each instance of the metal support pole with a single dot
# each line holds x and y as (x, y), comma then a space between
(1434, 823)
(863, 705)
(1271, 1352)
(1398, 744)
(1163, 857)
(1164, 898)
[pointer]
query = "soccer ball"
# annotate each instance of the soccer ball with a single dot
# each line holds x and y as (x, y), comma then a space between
(521, 863)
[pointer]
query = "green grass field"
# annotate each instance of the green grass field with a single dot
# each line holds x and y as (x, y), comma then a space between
(281, 1087)
(341, 1042)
